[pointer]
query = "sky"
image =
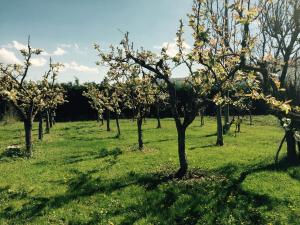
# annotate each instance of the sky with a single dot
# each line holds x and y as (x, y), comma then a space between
(67, 29)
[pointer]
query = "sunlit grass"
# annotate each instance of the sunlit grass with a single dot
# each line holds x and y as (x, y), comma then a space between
(81, 174)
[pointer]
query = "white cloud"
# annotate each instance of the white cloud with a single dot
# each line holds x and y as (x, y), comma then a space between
(38, 61)
(19, 46)
(58, 52)
(172, 48)
(74, 66)
(63, 45)
(80, 50)
(8, 57)
(16, 45)
(76, 46)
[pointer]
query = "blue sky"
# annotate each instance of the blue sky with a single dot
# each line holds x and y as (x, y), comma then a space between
(67, 29)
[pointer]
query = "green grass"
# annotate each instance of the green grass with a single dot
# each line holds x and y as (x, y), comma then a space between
(81, 174)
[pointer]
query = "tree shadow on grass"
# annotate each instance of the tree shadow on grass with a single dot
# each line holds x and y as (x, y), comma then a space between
(159, 141)
(92, 155)
(292, 169)
(202, 146)
(202, 197)
(209, 135)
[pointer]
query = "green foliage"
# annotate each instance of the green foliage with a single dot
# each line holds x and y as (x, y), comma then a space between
(81, 174)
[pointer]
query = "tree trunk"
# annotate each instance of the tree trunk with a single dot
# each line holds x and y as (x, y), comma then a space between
(50, 119)
(250, 118)
(219, 127)
(239, 125)
(140, 133)
(226, 127)
(41, 126)
(47, 122)
(28, 141)
(226, 114)
(53, 118)
(298, 143)
(158, 117)
(133, 118)
(108, 120)
(118, 125)
(202, 118)
(291, 147)
(181, 153)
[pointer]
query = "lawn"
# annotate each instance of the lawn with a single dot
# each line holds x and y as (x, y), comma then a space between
(82, 174)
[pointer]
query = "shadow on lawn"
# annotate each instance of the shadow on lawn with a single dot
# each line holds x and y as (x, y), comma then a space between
(159, 141)
(115, 152)
(202, 197)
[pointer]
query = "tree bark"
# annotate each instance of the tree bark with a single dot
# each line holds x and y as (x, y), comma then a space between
(108, 120)
(291, 147)
(298, 143)
(41, 126)
(47, 122)
(118, 125)
(239, 124)
(50, 119)
(53, 118)
(158, 117)
(226, 120)
(140, 133)
(28, 140)
(219, 127)
(202, 118)
(226, 114)
(250, 116)
(181, 152)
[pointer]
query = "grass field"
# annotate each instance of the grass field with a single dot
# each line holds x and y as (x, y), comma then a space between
(81, 174)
